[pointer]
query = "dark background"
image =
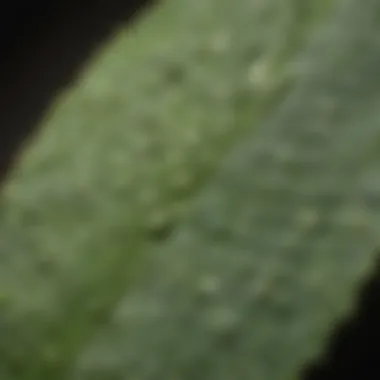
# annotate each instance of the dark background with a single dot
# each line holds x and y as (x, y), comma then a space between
(44, 44)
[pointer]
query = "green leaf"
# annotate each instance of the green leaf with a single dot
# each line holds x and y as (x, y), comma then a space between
(241, 261)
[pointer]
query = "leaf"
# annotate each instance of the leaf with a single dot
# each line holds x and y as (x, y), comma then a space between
(249, 267)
